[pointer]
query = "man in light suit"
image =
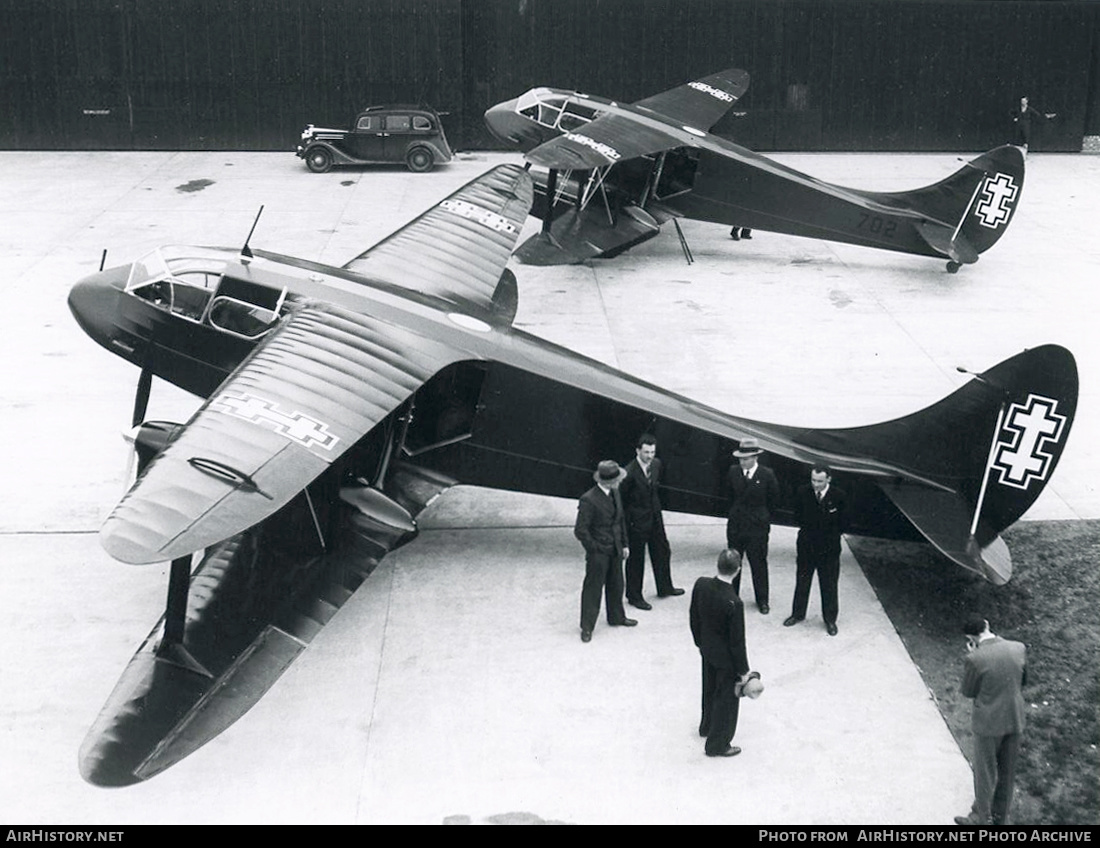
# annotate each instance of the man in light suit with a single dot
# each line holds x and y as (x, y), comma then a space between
(718, 628)
(995, 672)
(645, 526)
(821, 513)
(601, 529)
(754, 498)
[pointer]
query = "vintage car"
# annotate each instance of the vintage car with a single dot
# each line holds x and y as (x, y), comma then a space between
(379, 135)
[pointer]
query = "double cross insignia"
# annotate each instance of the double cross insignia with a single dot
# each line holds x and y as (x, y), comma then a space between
(296, 426)
(995, 205)
(1034, 428)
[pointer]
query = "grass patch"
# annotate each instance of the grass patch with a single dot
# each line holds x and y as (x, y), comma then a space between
(1052, 605)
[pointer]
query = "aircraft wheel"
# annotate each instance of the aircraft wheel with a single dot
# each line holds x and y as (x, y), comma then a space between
(953, 267)
(319, 160)
(419, 159)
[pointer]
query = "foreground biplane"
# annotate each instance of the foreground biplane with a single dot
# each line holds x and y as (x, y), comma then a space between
(340, 401)
(615, 172)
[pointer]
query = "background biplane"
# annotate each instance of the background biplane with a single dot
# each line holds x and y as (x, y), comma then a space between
(614, 173)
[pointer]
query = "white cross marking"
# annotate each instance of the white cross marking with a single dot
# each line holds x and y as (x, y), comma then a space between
(1035, 428)
(485, 217)
(997, 195)
(294, 426)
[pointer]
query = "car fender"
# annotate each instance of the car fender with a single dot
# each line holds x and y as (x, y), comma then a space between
(339, 157)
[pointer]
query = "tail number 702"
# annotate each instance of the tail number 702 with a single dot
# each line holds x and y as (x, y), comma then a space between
(877, 225)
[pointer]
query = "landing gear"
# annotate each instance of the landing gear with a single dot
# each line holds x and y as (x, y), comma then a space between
(953, 267)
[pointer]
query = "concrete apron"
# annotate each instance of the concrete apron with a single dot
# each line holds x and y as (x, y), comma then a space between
(454, 686)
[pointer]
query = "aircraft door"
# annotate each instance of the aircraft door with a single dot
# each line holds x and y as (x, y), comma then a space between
(676, 172)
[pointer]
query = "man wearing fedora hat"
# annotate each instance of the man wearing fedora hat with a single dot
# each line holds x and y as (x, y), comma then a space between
(754, 498)
(601, 529)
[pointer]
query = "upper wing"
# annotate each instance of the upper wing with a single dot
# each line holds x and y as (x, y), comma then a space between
(692, 109)
(306, 395)
(458, 249)
(700, 103)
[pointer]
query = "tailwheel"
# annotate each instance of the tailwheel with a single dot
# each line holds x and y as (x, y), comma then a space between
(953, 267)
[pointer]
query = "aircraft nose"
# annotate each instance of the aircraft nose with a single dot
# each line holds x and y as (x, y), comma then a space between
(94, 301)
(507, 125)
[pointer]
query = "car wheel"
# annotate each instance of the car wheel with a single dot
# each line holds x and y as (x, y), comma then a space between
(318, 160)
(419, 159)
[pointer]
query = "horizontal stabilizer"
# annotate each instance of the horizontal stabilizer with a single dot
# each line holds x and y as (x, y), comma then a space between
(944, 519)
(578, 235)
(939, 239)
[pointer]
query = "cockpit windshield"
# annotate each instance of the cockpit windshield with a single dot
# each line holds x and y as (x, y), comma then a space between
(193, 265)
(181, 280)
(555, 110)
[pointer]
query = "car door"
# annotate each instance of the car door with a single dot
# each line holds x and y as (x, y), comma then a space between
(368, 138)
(398, 131)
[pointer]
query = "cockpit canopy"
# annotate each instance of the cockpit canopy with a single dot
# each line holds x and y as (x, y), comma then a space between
(198, 284)
(555, 109)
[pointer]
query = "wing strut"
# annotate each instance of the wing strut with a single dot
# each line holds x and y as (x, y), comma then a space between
(551, 189)
(683, 242)
(171, 648)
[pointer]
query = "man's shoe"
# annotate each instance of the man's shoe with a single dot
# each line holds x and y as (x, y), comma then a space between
(966, 820)
(792, 620)
(765, 609)
(671, 593)
(640, 604)
(731, 751)
(586, 635)
(626, 622)
(746, 234)
(830, 629)
(734, 234)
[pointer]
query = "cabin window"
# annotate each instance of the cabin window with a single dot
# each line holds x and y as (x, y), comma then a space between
(240, 318)
(365, 123)
(397, 123)
(421, 123)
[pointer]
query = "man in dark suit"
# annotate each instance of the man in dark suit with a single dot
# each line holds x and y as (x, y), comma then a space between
(718, 628)
(754, 498)
(645, 525)
(821, 513)
(994, 676)
(601, 528)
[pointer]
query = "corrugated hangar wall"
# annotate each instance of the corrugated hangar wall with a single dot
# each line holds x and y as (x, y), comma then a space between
(841, 75)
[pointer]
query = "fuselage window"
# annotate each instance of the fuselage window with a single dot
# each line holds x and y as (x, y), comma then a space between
(240, 318)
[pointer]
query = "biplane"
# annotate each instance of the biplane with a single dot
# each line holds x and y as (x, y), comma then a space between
(339, 402)
(610, 174)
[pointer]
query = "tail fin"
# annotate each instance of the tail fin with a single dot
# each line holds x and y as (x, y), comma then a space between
(973, 207)
(972, 464)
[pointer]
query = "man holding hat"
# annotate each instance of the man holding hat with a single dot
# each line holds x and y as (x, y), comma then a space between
(754, 492)
(718, 628)
(601, 529)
